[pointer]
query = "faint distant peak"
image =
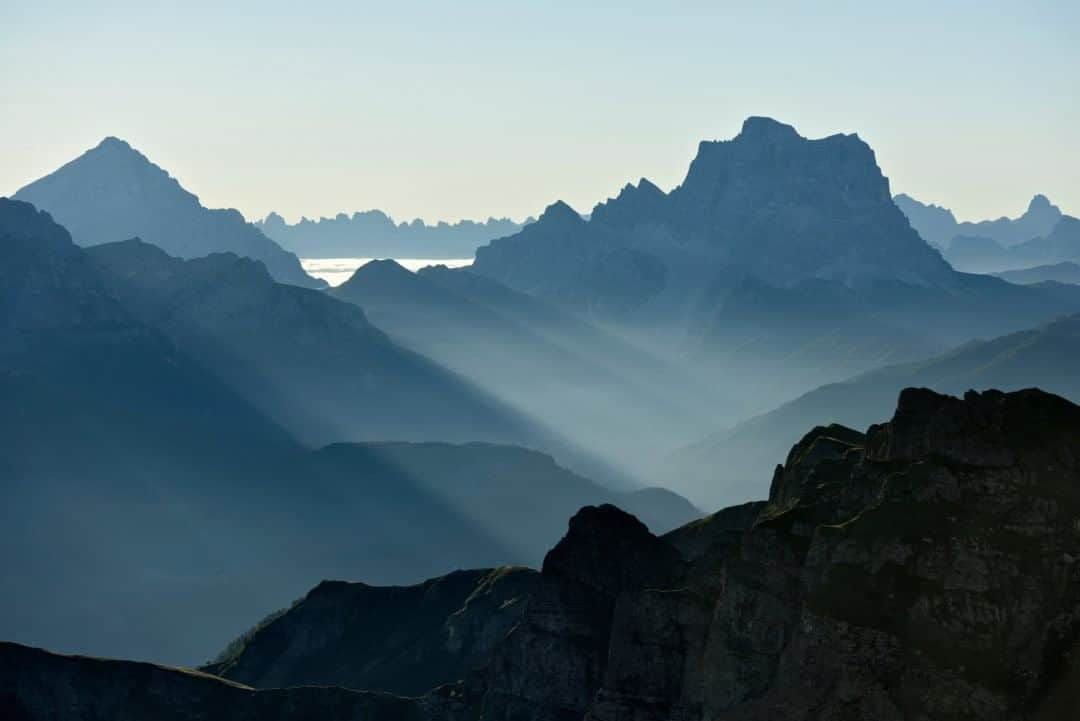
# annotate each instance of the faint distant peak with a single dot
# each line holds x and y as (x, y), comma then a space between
(1041, 204)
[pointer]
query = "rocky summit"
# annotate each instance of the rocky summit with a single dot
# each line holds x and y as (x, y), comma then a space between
(924, 569)
(768, 204)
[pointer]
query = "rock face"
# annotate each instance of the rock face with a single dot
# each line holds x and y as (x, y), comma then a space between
(400, 639)
(925, 570)
(112, 192)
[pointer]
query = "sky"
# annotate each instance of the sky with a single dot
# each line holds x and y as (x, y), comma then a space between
(444, 110)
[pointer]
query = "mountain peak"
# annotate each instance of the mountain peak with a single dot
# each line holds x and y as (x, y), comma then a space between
(113, 191)
(1041, 204)
(757, 126)
(560, 211)
(379, 271)
(113, 142)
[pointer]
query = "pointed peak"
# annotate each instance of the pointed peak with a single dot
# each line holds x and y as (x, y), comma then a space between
(559, 210)
(646, 184)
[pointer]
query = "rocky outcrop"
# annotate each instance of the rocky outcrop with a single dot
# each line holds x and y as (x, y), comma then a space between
(926, 570)
(553, 663)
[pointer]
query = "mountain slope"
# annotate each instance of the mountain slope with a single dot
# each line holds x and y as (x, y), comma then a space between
(112, 192)
(312, 362)
(36, 685)
(733, 465)
(117, 444)
(399, 639)
(542, 362)
(136, 476)
(1066, 272)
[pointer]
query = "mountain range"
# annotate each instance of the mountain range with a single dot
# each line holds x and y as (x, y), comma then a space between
(145, 469)
(1042, 235)
(374, 234)
(197, 434)
(780, 263)
(922, 569)
(113, 192)
(939, 226)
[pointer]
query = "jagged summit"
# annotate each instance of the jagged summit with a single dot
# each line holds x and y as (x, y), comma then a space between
(1040, 202)
(768, 203)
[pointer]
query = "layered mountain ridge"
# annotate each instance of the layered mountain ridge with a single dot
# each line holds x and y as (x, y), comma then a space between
(374, 234)
(923, 569)
(138, 396)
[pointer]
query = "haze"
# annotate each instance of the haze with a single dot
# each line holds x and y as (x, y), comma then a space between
(455, 111)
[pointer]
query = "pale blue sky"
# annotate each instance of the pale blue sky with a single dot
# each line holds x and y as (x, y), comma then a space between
(449, 110)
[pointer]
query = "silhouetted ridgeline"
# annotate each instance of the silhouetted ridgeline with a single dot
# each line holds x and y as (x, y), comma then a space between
(879, 580)
(374, 234)
(1041, 236)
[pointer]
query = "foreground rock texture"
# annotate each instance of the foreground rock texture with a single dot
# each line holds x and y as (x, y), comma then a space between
(927, 569)
(924, 570)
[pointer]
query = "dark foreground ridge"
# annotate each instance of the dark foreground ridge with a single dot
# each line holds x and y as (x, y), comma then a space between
(925, 569)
